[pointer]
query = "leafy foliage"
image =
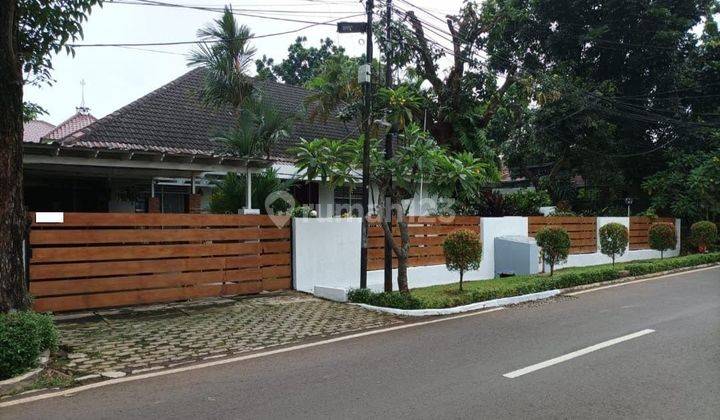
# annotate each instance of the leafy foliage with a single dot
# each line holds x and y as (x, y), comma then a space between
(335, 91)
(555, 244)
(703, 234)
(45, 28)
(613, 240)
(301, 65)
(23, 336)
(400, 104)
(327, 159)
(527, 202)
(661, 237)
(226, 54)
(31, 111)
(229, 193)
(690, 187)
(463, 252)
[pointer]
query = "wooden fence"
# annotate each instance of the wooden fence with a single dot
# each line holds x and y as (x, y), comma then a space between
(95, 260)
(582, 231)
(639, 227)
(426, 237)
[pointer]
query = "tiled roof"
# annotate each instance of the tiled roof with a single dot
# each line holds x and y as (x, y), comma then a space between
(34, 130)
(76, 122)
(172, 119)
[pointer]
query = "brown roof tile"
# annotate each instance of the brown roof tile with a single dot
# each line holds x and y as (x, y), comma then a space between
(172, 119)
(76, 122)
(35, 130)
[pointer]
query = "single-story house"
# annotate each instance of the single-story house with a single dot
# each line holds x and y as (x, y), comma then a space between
(157, 154)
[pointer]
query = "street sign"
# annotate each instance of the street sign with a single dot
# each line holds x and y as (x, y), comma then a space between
(351, 27)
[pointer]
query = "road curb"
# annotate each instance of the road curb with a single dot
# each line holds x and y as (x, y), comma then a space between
(494, 303)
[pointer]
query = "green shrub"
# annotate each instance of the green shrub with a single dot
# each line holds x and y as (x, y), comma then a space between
(527, 202)
(555, 244)
(661, 237)
(613, 240)
(23, 336)
(303, 211)
(703, 234)
(384, 299)
(463, 252)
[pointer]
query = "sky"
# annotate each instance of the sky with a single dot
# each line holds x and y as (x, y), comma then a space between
(117, 76)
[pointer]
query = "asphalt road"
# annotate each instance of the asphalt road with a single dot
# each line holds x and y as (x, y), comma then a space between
(455, 368)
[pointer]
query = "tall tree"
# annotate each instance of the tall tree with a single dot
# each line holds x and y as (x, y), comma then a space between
(472, 89)
(613, 83)
(30, 30)
(301, 64)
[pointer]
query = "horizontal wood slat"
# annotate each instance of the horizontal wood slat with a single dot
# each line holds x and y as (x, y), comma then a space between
(639, 227)
(105, 236)
(115, 220)
(95, 260)
(427, 234)
(582, 231)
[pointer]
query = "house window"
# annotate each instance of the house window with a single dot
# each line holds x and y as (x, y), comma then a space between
(348, 201)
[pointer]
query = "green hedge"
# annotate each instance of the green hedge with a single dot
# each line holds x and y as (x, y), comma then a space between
(448, 296)
(384, 299)
(640, 268)
(23, 336)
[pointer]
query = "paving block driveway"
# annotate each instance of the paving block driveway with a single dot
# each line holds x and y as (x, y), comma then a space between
(180, 334)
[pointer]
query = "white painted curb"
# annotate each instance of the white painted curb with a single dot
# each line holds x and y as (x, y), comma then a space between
(465, 308)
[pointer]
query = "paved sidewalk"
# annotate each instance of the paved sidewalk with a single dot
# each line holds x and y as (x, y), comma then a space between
(125, 344)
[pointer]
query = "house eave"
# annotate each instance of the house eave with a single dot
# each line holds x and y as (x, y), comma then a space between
(35, 154)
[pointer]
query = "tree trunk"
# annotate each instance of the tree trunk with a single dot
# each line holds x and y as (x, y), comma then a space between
(403, 255)
(13, 222)
(461, 279)
(552, 269)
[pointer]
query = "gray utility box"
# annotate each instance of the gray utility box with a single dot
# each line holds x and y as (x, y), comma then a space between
(516, 255)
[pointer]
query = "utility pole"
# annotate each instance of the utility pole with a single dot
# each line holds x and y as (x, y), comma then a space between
(388, 150)
(367, 92)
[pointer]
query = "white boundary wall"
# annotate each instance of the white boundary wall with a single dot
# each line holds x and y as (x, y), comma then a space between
(326, 252)
(490, 227)
(326, 255)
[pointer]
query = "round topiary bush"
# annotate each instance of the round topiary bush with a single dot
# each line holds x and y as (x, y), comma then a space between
(555, 244)
(703, 234)
(613, 240)
(463, 252)
(661, 237)
(23, 336)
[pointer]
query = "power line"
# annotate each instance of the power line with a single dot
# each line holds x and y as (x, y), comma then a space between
(215, 10)
(169, 43)
(221, 9)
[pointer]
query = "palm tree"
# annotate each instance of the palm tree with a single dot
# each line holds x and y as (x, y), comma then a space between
(241, 141)
(226, 54)
(269, 125)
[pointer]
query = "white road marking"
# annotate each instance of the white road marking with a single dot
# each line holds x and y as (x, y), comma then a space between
(72, 391)
(581, 352)
(610, 286)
